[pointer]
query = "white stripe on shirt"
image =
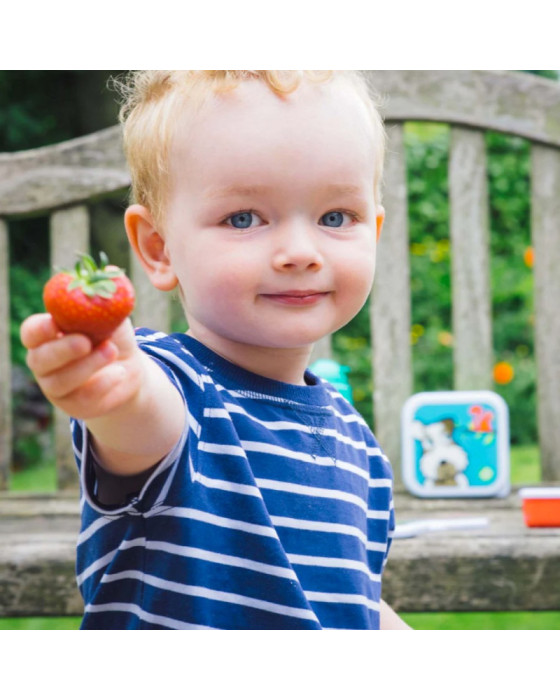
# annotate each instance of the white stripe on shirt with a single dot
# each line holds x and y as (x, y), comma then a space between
(221, 596)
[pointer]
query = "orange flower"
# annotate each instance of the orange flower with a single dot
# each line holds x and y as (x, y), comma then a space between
(529, 256)
(445, 338)
(503, 373)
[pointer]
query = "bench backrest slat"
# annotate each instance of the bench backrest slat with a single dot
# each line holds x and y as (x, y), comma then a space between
(390, 304)
(152, 306)
(545, 224)
(5, 364)
(69, 234)
(470, 266)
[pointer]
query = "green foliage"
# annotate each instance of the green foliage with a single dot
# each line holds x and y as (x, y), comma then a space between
(352, 347)
(25, 299)
(35, 108)
(427, 148)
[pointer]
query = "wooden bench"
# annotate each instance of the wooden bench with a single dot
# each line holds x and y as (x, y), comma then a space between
(503, 567)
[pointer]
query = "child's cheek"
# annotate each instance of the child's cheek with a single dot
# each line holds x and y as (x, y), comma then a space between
(359, 275)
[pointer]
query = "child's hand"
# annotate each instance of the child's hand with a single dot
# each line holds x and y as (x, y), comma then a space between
(84, 381)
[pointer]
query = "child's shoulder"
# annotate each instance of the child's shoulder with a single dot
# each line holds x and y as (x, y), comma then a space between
(166, 345)
(173, 353)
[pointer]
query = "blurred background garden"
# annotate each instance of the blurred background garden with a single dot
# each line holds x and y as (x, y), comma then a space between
(39, 108)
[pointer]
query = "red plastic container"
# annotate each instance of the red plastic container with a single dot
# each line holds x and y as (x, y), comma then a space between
(541, 506)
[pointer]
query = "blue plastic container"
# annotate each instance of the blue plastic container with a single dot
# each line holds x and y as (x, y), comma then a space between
(336, 374)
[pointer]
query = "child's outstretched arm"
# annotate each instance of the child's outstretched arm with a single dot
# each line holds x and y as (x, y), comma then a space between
(133, 412)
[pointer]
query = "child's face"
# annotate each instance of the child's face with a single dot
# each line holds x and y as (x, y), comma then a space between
(271, 223)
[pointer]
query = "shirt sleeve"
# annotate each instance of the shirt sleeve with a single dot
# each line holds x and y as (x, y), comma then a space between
(391, 529)
(381, 513)
(110, 494)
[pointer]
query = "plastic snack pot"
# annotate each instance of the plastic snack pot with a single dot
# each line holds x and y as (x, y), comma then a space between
(541, 506)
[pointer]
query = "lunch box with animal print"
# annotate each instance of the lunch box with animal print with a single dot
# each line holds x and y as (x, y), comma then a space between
(455, 444)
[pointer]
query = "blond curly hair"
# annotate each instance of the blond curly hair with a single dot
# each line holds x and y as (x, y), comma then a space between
(152, 99)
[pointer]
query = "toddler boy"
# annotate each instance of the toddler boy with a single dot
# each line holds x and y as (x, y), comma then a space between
(224, 485)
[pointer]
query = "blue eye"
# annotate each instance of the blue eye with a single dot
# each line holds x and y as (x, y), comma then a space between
(334, 219)
(243, 219)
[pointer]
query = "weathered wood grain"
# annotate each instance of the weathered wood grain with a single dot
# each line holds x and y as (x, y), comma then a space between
(69, 234)
(505, 566)
(5, 362)
(390, 308)
(545, 214)
(152, 307)
(508, 101)
(470, 279)
(476, 574)
(38, 536)
(42, 179)
(37, 578)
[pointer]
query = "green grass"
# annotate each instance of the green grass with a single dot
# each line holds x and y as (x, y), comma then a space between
(524, 620)
(525, 464)
(419, 621)
(39, 478)
(40, 623)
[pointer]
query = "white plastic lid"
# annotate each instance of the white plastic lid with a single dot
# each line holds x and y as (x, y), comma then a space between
(540, 492)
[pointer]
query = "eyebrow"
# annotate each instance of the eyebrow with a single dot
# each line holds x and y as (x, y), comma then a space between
(249, 190)
(242, 190)
(334, 190)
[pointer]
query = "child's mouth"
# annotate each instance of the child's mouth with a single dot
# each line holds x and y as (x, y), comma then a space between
(296, 297)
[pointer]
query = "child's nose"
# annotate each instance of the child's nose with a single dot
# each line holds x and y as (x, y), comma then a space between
(297, 250)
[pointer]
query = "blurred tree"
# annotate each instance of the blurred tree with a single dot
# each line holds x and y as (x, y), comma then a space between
(41, 107)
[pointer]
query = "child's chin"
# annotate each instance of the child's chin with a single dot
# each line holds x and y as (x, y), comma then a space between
(284, 336)
(294, 342)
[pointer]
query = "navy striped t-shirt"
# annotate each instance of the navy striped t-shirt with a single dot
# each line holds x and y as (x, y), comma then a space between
(274, 511)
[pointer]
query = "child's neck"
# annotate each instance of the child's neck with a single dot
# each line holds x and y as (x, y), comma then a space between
(282, 364)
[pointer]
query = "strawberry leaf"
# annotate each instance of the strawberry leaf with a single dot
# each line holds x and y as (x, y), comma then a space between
(92, 280)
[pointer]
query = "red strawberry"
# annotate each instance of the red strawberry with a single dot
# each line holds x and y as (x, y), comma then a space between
(89, 299)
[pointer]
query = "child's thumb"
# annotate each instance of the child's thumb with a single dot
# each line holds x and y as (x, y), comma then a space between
(123, 337)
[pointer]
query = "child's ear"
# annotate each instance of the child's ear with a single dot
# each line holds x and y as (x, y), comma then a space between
(379, 219)
(149, 246)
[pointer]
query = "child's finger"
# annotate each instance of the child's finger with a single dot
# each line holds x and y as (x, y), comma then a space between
(55, 354)
(64, 381)
(103, 392)
(124, 338)
(38, 329)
